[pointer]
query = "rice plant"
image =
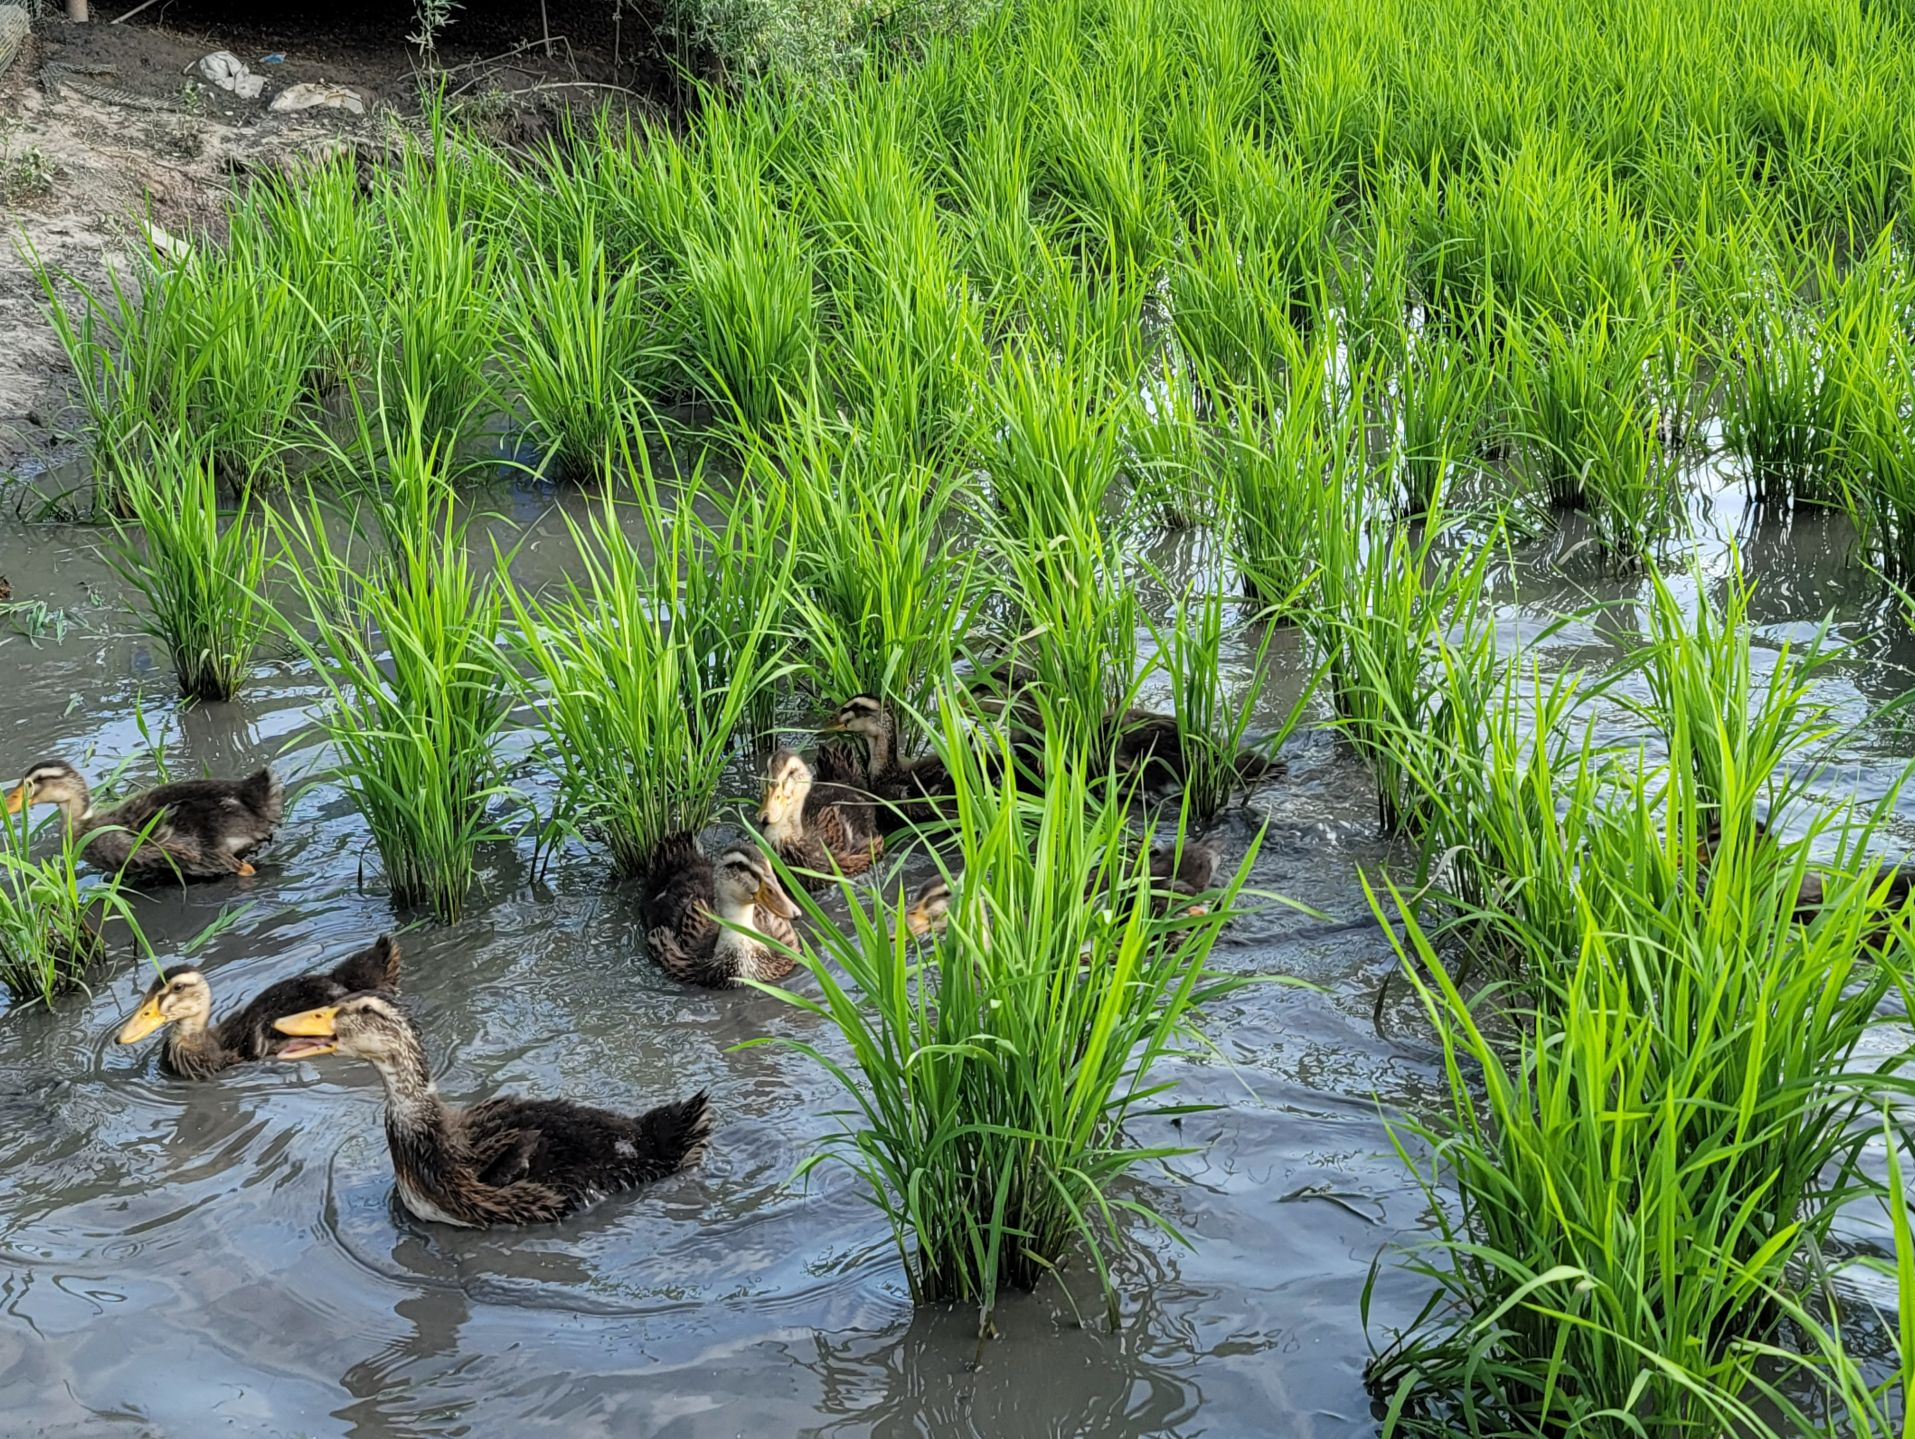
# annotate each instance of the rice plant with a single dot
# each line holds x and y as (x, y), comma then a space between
(991, 1073)
(52, 919)
(1441, 395)
(1593, 436)
(1644, 1164)
(1776, 410)
(886, 584)
(578, 344)
(641, 728)
(198, 574)
(1213, 725)
(405, 639)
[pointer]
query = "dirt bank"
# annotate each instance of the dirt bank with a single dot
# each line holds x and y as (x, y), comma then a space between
(78, 172)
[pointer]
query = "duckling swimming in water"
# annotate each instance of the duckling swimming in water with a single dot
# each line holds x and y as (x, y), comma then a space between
(182, 1001)
(505, 1160)
(192, 829)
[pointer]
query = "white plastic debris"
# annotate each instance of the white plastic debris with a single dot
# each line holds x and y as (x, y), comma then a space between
(226, 70)
(307, 96)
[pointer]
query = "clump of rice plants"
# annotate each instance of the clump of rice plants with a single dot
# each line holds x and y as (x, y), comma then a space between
(1644, 1164)
(51, 918)
(1442, 391)
(1395, 613)
(1211, 725)
(745, 296)
(198, 574)
(886, 586)
(617, 672)
(406, 632)
(1593, 438)
(991, 1073)
(578, 345)
(1281, 469)
(1776, 409)
(437, 303)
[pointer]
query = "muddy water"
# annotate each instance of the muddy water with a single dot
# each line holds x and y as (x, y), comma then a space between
(178, 1258)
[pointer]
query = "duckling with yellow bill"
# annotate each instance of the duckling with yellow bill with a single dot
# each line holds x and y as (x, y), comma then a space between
(191, 829)
(181, 1001)
(504, 1161)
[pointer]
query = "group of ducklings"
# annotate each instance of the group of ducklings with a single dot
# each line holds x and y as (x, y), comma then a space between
(509, 1160)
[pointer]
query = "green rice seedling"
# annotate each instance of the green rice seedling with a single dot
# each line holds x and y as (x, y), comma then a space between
(51, 917)
(887, 586)
(992, 1069)
(1709, 699)
(617, 675)
(1057, 451)
(1776, 409)
(1170, 454)
(1394, 616)
(1282, 469)
(1645, 1167)
(438, 306)
(1211, 724)
(214, 343)
(577, 345)
(1593, 438)
(747, 300)
(198, 574)
(738, 573)
(317, 231)
(407, 646)
(1442, 393)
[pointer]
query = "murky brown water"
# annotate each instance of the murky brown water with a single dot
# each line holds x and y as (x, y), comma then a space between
(179, 1258)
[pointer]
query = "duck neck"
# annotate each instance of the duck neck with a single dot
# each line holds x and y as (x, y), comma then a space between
(785, 825)
(884, 745)
(412, 1103)
(736, 911)
(77, 805)
(193, 1047)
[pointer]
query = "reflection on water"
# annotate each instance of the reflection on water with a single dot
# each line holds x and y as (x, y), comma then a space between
(178, 1257)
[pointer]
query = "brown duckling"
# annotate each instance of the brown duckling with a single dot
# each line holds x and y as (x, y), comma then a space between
(196, 828)
(911, 789)
(686, 897)
(1151, 746)
(817, 828)
(1812, 893)
(197, 1049)
(506, 1160)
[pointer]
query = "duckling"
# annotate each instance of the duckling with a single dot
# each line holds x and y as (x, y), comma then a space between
(1812, 892)
(930, 909)
(909, 788)
(505, 1160)
(182, 998)
(688, 894)
(196, 828)
(817, 827)
(1151, 745)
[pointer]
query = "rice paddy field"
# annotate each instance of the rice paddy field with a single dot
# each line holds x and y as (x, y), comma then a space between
(1483, 433)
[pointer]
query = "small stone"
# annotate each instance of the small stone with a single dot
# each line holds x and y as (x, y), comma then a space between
(307, 96)
(226, 70)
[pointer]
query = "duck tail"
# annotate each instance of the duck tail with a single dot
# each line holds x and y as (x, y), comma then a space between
(374, 967)
(673, 1136)
(703, 965)
(676, 851)
(262, 793)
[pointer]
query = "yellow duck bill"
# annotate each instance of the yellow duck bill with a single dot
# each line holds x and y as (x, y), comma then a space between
(144, 1021)
(312, 1031)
